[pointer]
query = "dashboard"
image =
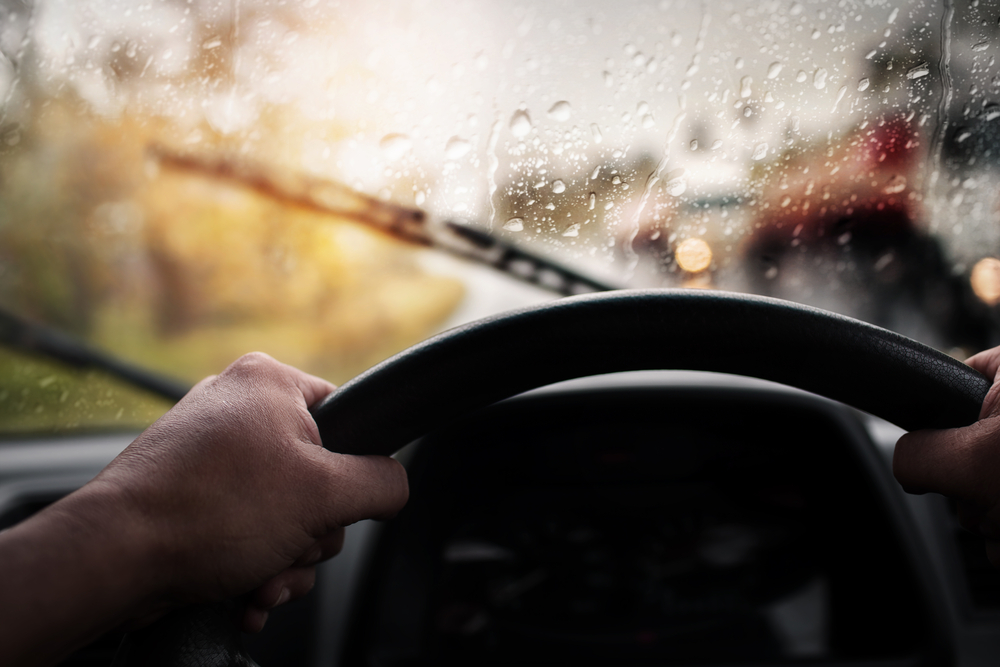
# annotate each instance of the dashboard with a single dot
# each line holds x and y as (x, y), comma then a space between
(638, 518)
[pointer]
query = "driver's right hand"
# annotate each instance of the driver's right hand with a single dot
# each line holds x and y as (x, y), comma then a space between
(962, 463)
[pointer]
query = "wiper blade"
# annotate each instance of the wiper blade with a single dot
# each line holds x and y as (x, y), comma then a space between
(400, 222)
(21, 334)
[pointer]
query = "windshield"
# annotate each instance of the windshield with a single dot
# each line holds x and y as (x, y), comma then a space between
(183, 181)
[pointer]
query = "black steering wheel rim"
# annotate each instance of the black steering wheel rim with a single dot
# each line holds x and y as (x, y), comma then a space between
(475, 365)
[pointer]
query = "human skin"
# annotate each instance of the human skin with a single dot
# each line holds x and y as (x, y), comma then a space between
(961, 463)
(228, 494)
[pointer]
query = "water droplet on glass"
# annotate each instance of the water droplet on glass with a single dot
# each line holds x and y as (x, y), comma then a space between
(745, 87)
(395, 146)
(593, 174)
(738, 64)
(991, 112)
(514, 225)
(675, 182)
(592, 200)
(609, 205)
(893, 14)
(419, 198)
(795, 9)
(693, 145)
(641, 109)
(572, 230)
(211, 43)
(560, 111)
(558, 187)
(759, 151)
(981, 46)
(923, 69)
(961, 135)
(647, 121)
(816, 34)
(895, 185)
(456, 148)
(616, 180)
(774, 70)
(93, 42)
(609, 80)
(801, 76)
(863, 84)
(819, 79)
(717, 144)
(747, 111)
(595, 133)
(520, 124)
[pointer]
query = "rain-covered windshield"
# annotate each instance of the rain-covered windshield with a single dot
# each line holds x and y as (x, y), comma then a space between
(182, 181)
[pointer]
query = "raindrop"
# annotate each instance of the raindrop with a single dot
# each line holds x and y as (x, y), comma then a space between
(923, 69)
(647, 121)
(592, 200)
(863, 84)
(816, 34)
(739, 63)
(456, 148)
(694, 144)
(595, 133)
(796, 9)
(593, 174)
(745, 87)
(962, 135)
(981, 46)
(420, 198)
(747, 111)
(514, 225)
(717, 144)
(991, 112)
(675, 182)
(560, 111)
(395, 146)
(131, 49)
(609, 205)
(759, 151)
(893, 14)
(572, 230)
(212, 43)
(819, 79)
(616, 180)
(774, 70)
(801, 76)
(641, 109)
(895, 185)
(96, 39)
(558, 187)
(870, 54)
(520, 124)
(609, 80)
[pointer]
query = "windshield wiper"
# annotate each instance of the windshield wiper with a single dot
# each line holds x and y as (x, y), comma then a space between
(403, 223)
(26, 336)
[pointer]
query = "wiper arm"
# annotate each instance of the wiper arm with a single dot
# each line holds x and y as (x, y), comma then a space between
(30, 337)
(400, 222)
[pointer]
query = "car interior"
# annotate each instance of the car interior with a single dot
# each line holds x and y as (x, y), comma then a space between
(642, 295)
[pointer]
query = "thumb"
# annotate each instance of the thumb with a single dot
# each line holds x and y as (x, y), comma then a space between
(359, 487)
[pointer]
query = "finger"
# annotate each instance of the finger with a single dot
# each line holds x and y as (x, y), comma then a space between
(986, 362)
(325, 548)
(360, 487)
(287, 585)
(947, 462)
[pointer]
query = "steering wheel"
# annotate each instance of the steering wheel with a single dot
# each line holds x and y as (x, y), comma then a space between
(472, 366)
